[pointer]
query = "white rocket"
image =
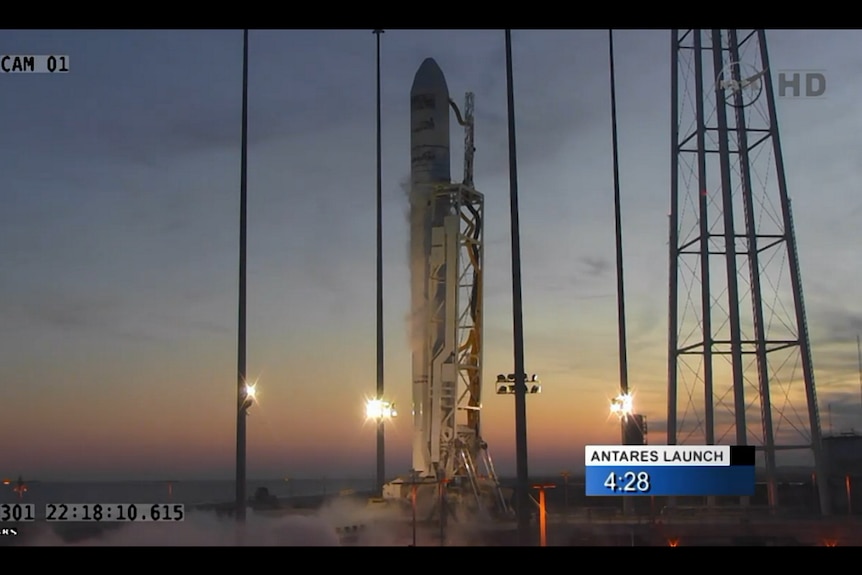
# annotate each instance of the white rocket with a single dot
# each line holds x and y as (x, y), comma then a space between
(446, 263)
(429, 150)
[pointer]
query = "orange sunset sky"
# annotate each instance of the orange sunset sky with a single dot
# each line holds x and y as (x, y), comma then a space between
(119, 237)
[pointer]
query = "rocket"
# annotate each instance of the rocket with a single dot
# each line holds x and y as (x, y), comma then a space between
(430, 167)
(446, 263)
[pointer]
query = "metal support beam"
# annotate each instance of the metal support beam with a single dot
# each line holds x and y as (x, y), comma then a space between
(796, 283)
(523, 483)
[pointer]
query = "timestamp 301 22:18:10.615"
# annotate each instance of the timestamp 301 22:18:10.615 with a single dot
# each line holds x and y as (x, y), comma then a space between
(115, 512)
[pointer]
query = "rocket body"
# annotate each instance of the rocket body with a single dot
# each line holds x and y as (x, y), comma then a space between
(446, 263)
(430, 167)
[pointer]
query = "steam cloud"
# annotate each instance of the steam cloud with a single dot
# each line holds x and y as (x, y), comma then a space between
(203, 529)
(414, 317)
(387, 525)
(381, 526)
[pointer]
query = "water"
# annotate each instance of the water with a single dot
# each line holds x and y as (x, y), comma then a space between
(186, 492)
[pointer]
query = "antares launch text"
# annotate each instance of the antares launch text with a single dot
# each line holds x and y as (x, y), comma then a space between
(663, 455)
(686, 456)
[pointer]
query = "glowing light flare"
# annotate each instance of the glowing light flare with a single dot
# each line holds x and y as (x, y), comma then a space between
(377, 409)
(249, 397)
(622, 405)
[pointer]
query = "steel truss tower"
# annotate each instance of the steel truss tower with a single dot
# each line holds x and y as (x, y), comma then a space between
(738, 349)
(452, 447)
(455, 265)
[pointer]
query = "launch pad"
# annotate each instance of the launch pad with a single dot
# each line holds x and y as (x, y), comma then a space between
(452, 468)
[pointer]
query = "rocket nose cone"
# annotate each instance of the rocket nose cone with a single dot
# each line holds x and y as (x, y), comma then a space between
(429, 78)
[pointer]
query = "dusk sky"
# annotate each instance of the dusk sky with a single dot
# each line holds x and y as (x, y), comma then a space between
(119, 241)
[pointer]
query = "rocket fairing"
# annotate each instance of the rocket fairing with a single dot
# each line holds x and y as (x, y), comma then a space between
(429, 126)
(430, 167)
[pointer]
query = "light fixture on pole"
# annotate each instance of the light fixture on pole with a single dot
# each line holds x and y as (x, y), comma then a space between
(623, 406)
(379, 410)
(413, 494)
(506, 384)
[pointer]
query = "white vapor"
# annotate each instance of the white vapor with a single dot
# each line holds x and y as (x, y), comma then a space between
(201, 529)
(366, 525)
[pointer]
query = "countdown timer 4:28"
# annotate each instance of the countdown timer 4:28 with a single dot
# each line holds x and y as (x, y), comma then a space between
(629, 482)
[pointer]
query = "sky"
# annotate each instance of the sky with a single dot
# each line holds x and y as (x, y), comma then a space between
(119, 236)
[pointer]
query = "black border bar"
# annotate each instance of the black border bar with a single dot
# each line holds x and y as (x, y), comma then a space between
(742, 455)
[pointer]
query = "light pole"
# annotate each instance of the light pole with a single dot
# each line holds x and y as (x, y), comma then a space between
(20, 487)
(565, 475)
(633, 428)
(443, 510)
(628, 503)
(379, 411)
(859, 360)
(381, 440)
(521, 459)
(247, 399)
(815, 500)
(413, 502)
(242, 387)
(543, 516)
(829, 415)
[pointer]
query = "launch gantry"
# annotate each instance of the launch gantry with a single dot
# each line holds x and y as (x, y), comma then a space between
(458, 362)
(453, 451)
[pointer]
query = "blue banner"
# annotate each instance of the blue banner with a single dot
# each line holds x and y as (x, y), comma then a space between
(670, 481)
